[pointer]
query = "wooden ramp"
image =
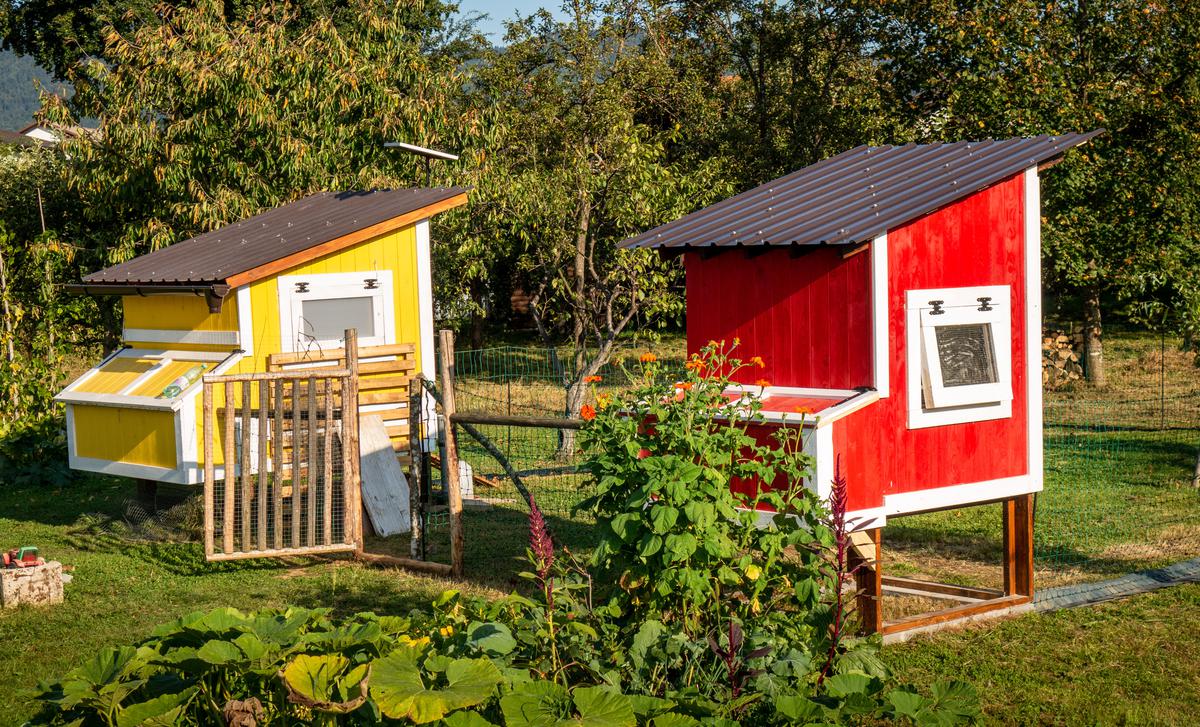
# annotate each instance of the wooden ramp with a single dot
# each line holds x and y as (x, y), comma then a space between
(384, 486)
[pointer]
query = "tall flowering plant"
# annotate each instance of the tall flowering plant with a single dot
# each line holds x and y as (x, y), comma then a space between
(680, 544)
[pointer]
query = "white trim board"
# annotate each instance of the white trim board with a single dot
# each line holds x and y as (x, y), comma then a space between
(427, 364)
(329, 286)
(939, 498)
(1033, 323)
(245, 316)
(918, 417)
(880, 326)
(157, 335)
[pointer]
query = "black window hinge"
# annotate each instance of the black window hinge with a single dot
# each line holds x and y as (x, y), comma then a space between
(937, 307)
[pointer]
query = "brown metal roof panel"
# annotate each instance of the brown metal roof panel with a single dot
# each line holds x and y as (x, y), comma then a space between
(272, 235)
(856, 194)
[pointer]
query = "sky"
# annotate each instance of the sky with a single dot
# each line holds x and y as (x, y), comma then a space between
(498, 12)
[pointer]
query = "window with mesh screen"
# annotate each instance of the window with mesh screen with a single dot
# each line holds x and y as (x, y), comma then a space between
(966, 354)
(326, 319)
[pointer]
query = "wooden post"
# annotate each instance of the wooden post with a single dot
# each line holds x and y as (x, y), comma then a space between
(264, 395)
(415, 504)
(352, 478)
(1018, 546)
(327, 469)
(868, 577)
(230, 465)
(209, 469)
(277, 462)
(453, 491)
(297, 467)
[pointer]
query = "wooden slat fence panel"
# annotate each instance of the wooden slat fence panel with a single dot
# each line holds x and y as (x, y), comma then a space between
(278, 476)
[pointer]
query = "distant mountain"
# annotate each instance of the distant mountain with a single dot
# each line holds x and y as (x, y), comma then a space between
(18, 94)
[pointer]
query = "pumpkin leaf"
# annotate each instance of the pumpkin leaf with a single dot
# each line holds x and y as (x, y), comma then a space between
(320, 681)
(401, 693)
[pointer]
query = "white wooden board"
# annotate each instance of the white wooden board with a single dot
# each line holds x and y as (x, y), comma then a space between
(384, 486)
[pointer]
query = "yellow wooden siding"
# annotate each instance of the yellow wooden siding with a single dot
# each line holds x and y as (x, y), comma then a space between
(180, 312)
(115, 375)
(133, 436)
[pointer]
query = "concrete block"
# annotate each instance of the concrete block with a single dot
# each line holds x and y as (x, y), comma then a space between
(39, 585)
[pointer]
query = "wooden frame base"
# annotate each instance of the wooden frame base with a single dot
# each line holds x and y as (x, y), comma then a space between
(1017, 525)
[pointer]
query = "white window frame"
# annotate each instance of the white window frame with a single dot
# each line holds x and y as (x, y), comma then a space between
(325, 286)
(930, 403)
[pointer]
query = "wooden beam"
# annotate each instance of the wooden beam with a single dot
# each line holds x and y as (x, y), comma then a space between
(423, 566)
(934, 590)
(868, 576)
(341, 243)
(953, 614)
(453, 490)
(861, 248)
(479, 417)
(352, 476)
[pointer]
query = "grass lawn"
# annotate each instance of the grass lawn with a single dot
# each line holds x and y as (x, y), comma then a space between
(121, 591)
(1128, 662)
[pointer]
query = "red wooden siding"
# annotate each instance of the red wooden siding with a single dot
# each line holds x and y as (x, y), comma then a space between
(978, 241)
(807, 316)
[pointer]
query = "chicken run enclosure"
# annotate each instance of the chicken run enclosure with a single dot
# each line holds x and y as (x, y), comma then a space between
(1119, 494)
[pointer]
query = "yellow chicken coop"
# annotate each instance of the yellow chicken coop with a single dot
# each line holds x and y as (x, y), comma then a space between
(278, 288)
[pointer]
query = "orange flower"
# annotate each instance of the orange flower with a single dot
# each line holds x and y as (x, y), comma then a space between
(757, 361)
(685, 385)
(592, 379)
(694, 365)
(643, 453)
(587, 412)
(803, 410)
(762, 383)
(648, 358)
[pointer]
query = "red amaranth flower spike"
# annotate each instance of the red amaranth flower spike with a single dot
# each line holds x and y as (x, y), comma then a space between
(539, 540)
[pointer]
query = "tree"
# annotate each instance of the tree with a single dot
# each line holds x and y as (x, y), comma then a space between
(797, 81)
(62, 34)
(573, 166)
(208, 120)
(1120, 215)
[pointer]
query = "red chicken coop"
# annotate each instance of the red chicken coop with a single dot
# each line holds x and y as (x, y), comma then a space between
(894, 293)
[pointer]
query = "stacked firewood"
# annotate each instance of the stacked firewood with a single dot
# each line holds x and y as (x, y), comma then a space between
(1062, 356)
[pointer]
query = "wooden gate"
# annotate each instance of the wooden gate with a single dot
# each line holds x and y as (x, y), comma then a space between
(281, 464)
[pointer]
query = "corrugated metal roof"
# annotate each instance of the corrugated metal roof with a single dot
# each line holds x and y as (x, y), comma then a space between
(214, 257)
(858, 194)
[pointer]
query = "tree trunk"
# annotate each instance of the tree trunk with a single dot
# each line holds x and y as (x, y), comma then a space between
(1093, 348)
(576, 390)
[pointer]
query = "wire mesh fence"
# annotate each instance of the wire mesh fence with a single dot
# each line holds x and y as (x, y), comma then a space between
(1119, 491)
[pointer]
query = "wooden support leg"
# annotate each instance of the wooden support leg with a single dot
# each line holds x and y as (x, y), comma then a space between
(1018, 546)
(866, 560)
